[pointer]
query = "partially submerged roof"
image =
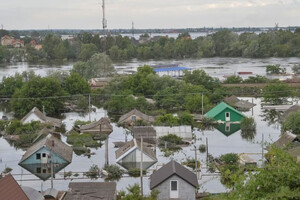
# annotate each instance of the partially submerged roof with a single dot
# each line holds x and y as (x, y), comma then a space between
(51, 193)
(232, 100)
(285, 140)
(219, 108)
(244, 104)
(32, 194)
(145, 131)
(91, 191)
(138, 113)
(39, 114)
(130, 146)
(10, 189)
(51, 142)
(170, 169)
(103, 122)
(294, 108)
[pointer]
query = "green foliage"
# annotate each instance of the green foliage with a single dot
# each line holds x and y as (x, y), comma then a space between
(7, 170)
(114, 172)
(79, 123)
(202, 148)
(87, 50)
(5, 54)
(15, 127)
(190, 162)
(93, 172)
(199, 77)
(292, 123)
(275, 69)
(38, 89)
(25, 140)
(276, 93)
(193, 103)
(82, 140)
(233, 79)
(10, 84)
(167, 120)
(248, 128)
(134, 193)
(230, 159)
(170, 138)
(75, 84)
(135, 172)
(296, 69)
(256, 79)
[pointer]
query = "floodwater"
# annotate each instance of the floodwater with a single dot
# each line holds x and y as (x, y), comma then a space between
(218, 144)
(217, 67)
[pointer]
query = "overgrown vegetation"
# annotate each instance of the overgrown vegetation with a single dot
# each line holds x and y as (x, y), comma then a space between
(134, 193)
(292, 123)
(93, 172)
(248, 128)
(114, 172)
(135, 172)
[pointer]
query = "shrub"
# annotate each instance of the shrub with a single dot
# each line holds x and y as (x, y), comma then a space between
(233, 79)
(93, 172)
(136, 172)
(171, 138)
(230, 158)
(202, 148)
(114, 172)
(190, 162)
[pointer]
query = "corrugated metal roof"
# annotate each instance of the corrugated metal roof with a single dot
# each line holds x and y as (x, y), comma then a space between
(136, 112)
(285, 140)
(10, 189)
(32, 194)
(170, 169)
(104, 122)
(219, 108)
(171, 69)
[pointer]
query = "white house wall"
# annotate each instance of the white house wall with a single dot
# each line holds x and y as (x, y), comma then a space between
(184, 132)
(32, 117)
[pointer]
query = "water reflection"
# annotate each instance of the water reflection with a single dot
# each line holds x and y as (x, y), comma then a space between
(248, 135)
(43, 171)
(134, 165)
(272, 117)
(228, 128)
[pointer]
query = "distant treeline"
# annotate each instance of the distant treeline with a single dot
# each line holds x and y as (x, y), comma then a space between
(220, 44)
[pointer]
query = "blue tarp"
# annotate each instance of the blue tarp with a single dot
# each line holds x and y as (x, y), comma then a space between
(171, 69)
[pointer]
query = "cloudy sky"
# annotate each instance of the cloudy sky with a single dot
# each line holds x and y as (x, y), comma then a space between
(87, 14)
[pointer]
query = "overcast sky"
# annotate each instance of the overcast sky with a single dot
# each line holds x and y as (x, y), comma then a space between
(87, 14)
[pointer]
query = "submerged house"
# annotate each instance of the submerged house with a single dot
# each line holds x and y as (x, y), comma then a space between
(174, 181)
(129, 155)
(38, 157)
(184, 132)
(147, 132)
(101, 126)
(228, 128)
(91, 190)
(239, 104)
(135, 115)
(10, 189)
(225, 113)
(36, 115)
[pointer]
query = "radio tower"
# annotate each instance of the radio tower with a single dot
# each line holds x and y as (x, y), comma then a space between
(132, 29)
(104, 22)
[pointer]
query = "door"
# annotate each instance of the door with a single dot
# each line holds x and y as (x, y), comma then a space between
(227, 116)
(44, 158)
(174, 190)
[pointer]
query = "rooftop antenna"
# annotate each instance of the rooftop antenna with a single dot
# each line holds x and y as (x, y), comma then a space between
(104, 21)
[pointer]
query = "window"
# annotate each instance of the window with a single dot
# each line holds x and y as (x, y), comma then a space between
(174, 186)
(44, 171)
(227, 127)
(38, 170)
(44, 155)
(227, 114)
(38, 156)
(133, 118)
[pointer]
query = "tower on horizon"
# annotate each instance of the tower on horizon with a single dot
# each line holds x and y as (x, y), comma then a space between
(104, 21)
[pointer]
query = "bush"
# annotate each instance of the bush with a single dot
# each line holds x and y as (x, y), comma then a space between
(25, 140)
(292, 123)
(190, 162)
(171, 138)
(136, 172)
(275, 69)
(79, 122)
(7, 170)
(82, 140)
(17, 128)
(256, 79)
(233, 79)
(230, 159)
(93, 172)
(114, 172)
(202, 148)
(248, 124)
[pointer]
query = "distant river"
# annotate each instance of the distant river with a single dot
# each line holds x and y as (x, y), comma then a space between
(216, 67)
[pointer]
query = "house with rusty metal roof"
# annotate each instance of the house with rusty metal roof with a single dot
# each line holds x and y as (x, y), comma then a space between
(91, 191)
(174, 181)
(10, 189)
(238, 103)
(101, 126)
(135, 115)
(147, 132)
(38, 157)
(129, 155)
(36, 115)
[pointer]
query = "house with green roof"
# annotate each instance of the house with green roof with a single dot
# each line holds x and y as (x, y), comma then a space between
(224, 112)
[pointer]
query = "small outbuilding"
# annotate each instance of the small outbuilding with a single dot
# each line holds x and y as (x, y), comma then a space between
(36, 115)
(91, 191)
(129, 155)
(135, 115)
(147, 132)
(225, 113)
(174, 181)
(101, 126)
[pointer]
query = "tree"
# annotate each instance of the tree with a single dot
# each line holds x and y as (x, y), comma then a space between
(87, 51)
(75, 84)
(292, 123)
(276, 93)
(199, 77)
(39, 92)
(233, 79)
(296, 69)
(60, 51)
(134, 193)
(49, 43)
(275, 69)
(193, 103)
(10, 84)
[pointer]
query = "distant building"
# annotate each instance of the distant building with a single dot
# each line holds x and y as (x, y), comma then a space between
(133, 116)
(10, 189)
(175, 72)
(7, 40)
(101, 126)
(91, 191)
(225, 113)
(96, 83)
(129, 155)
(184, 132)
(36, 115)
(18, 43)
(174, 181)
(35, 45)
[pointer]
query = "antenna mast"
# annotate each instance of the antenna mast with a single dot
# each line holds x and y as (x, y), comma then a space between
(132, 29)
(104, 21)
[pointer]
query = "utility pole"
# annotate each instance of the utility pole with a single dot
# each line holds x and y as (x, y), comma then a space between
(106, 147)
(51, 162)
(196, 162)
(89, 107)
(202, 104)
(44, 110)
(141, 167)
(252, 107)
(206, 151)
(262, 149)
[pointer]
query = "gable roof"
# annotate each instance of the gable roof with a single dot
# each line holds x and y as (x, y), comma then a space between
(103, 121)
(285, 140)
(37, 112)
(138, 113)
(170, 169)
(60, 148)
(294, 108)
(32, 194)
(231, 100)
(91, 191)
(145, 131)
(219, 108)
(132, 145)
(10, 189)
